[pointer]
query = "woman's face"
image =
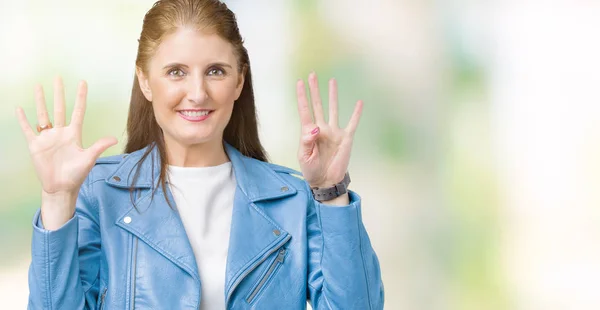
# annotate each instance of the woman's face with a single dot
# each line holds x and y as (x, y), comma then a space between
(192, 82)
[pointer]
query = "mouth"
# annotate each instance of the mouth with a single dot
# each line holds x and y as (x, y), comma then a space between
(195, 115)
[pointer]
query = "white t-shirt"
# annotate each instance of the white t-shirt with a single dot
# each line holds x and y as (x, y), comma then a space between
(204, 198)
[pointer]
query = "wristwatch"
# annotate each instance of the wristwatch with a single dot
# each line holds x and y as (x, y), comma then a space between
(328, 193)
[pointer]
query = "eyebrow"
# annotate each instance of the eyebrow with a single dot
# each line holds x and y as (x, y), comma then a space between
(222, 64)
(176, 64)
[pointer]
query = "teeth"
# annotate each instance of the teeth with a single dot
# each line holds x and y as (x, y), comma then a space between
(194, 113)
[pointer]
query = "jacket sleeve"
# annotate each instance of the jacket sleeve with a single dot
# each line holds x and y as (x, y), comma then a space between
(343, 269)
(65, 263)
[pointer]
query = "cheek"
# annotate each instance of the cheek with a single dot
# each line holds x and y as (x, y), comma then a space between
(166, 95)
(224, 93)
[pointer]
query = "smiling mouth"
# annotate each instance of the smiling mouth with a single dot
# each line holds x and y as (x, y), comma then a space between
(194, 115)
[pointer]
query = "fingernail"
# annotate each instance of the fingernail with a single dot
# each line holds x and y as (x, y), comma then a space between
(315, 131)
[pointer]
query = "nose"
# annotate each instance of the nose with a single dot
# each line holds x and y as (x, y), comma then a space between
(196, 90)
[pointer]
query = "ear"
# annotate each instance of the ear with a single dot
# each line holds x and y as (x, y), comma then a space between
(144, 84)
(240, 84)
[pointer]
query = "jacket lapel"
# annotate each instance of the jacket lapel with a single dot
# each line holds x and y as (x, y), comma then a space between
(156, 224)
(254, 235)
(152, 220)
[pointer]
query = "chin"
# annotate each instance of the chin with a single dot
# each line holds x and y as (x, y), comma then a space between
(192, 136)
(195, 139)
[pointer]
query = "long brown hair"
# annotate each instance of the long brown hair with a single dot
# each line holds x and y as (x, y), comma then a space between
(211, 16)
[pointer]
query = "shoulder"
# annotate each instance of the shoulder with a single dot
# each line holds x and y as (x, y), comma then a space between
(290, 175)
(105, 166)
(114, 159)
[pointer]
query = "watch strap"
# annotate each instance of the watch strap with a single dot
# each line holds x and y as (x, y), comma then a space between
(328, 193)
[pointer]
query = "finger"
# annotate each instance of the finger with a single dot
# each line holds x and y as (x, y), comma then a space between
(40, 106)
(333, 103)
(315, 98)
(303, 110)
(27, 131)
(308, 141)
(80, 104)
(311, 134)
(351, 128)
(59, 103)
(101, 145)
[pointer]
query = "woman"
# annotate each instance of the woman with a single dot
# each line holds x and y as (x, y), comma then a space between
(193, 215)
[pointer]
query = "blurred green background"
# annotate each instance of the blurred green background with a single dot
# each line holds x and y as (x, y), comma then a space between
(477, 154)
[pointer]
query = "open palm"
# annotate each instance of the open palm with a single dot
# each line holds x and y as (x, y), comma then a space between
(60, 162)
(324, 152)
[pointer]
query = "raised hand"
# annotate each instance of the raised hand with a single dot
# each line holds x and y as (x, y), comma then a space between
(60, 162)
(325, 148)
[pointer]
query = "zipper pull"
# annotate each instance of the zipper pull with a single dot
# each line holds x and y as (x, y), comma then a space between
(102, 298)
(280, 256)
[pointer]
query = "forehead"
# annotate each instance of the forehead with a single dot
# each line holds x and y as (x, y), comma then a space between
(192, 47)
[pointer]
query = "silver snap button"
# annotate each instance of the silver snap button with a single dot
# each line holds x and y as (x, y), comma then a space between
(127, 220)
(284, 189)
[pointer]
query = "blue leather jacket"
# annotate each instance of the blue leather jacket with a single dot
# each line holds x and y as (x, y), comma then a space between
(285, 247)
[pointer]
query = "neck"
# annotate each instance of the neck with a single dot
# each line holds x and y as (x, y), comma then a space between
(208, 154)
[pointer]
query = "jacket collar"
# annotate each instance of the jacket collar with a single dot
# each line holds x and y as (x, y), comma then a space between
(254, 178)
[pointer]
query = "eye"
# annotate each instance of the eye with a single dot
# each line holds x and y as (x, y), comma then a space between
(216, 72)
(176, 72)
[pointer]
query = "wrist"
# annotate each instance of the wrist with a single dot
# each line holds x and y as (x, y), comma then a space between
(57, 209)
(58, 198)
(326, 183)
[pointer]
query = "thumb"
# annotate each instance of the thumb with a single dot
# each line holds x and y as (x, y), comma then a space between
(101, 145)
(308, 140)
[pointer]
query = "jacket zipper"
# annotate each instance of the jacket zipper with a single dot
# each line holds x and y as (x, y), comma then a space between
(102, 298)
(276, 263)
(133, 264)
(243, 275)
(133, 273)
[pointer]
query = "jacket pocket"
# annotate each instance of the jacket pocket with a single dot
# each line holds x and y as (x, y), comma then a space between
(264, 279)
(101, 306)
